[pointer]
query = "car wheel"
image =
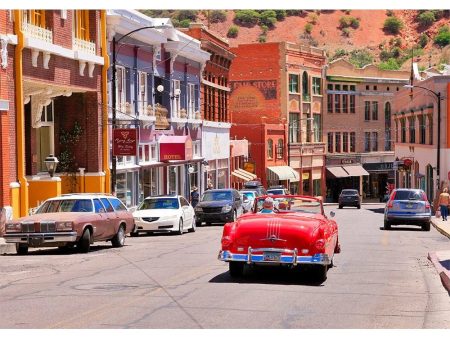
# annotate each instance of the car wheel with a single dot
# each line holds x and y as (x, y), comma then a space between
(208, 224)
(320, 273)
(236, 269)
(387, 225)
(180, 228)
(134, 234)
(192, 228)
(340, 206)
(119, 239)
(84, 244)
(426, 227)
(198, 224)
(21, 249)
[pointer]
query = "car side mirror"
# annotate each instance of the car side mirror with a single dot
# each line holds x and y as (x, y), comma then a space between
(132, 209)
(332, 214)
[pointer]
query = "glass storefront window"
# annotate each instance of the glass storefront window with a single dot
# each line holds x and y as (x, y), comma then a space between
(125, 189)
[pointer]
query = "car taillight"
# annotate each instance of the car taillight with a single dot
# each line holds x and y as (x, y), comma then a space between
(427, 206)
(226, 241)
(390, 204)
(320, 244)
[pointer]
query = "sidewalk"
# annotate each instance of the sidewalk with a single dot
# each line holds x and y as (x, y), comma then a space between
(6, 247)
(441, 259)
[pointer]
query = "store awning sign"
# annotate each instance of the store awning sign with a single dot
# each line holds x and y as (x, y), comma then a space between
(125, 142)
(175, 148)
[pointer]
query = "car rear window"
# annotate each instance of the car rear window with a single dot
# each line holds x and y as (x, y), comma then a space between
(72, 205)
(249, 195)
(402, 195)
(275, 192)
(117, 204)
(159, 203)
(349, 192)
(217, 196)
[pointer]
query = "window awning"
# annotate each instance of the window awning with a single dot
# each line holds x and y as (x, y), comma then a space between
(282, 173)
(355, 170)
(246, 173)
(337, 172)
(237, 174)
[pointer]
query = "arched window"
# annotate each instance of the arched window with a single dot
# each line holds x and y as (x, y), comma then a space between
(305, 87)
(280, 149)
(269, 148)
(387, 126)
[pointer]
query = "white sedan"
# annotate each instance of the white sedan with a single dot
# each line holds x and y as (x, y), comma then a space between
(164, 214)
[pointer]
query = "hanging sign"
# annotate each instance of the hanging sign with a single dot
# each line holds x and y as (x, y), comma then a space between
(125, 142)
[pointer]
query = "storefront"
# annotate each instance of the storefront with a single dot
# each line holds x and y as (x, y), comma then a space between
(381, 174)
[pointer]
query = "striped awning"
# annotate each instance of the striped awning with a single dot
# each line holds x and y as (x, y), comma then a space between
(283, 173)
(236, 173)
(337, 172)
(355, 170)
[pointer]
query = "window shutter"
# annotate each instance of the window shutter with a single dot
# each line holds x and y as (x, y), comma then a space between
(197, 98)
(183, 94)
(128, 85)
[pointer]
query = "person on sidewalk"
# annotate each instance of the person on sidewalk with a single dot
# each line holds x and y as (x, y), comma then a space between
(444, 199)
(195, 196)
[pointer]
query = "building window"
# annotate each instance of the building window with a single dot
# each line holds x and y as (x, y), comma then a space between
(191, 99)
(330, 142)
(367, 110)
(403, 131)
(176, 90)
(330, 103)
(422, 129)
(81, 21)
(280, 149)
(337, 142)
(316, 187)
(34, 17)
(374, 110)
(45, 136)
(337, 103)
(412, 129)
(121, 88)
(430, 127)
(317, 125)
(352, 88)
(352, 142)
(305, 87)
(375, 88)
(293, 83)
(142, 104)
(317, 85)
(345, 142)
(345, 103)
(367, 141)
(374, 141)
(387, 126)
(269, 148)
(293, 127)
(352, 104)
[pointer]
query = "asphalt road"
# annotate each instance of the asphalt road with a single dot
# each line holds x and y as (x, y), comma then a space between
(382, 279)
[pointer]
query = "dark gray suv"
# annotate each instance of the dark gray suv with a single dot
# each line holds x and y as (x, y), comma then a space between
(349, 197)
(219, 206)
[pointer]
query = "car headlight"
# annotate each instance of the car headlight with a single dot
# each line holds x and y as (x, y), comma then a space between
(198, 209)
(13, 227)
(64, 226)
(226, 208)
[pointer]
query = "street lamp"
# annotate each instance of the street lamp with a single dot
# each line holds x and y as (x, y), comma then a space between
(51, 162)
(113, 96)
(438, 159)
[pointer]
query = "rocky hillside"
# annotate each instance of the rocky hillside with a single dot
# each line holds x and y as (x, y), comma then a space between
(385, 37)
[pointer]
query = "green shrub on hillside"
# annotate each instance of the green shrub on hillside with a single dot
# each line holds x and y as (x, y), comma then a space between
(393, 25)
(268, 18)
(423, 40)
(426, 18)
(391, 64)
(313, 18)
(443, 37)
(281, 14)
(216, 16)
(295, 12)
(308, 28)
(346, 32)
(360, 57)
(186, 15)
(348, 21)
(233, 31)
(246, 17)
(389, 12)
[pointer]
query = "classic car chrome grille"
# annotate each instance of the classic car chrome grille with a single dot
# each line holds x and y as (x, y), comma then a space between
(150, 219)
(48, 226)
(27, 226)
(214, 210)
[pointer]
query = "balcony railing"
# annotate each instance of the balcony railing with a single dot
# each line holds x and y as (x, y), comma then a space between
(84, 46)
(37, 32)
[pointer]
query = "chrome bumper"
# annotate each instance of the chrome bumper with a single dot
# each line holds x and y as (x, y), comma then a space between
(39, 238)
(287, 257)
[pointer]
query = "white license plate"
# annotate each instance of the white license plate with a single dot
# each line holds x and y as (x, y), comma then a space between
(272, 256)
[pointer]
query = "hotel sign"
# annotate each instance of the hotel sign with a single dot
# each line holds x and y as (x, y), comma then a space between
(125, 142)
(175, 148)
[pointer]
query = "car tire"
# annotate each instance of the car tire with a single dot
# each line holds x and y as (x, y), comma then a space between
(236, 269)
(192, 228)
(387, 225)
(426, 226)
(320, 273)
(119, 239)
(21, 249)
(340, 206)
(84, 243)
(134, 234)
(180, 228)
(198, 224)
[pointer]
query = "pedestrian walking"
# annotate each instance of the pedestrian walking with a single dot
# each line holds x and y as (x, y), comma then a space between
(195, 196)
(444, 199)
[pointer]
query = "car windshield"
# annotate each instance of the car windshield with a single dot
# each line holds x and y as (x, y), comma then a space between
(407, 195)
(159, 203)
(250, 195)
(69, 205)
(217, 196)
(349, 192)
(293, 204)
(275, 192)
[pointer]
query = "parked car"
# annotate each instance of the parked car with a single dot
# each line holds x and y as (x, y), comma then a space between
(349, 197)
(407, 206)
(72, 219)
(300, 235)
(164, 214)
(219, 206)
(255, 185)
(277, 190)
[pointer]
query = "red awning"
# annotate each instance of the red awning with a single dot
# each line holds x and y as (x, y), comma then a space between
(175, 148)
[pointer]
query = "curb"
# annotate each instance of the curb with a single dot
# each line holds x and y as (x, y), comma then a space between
(443, 273)
(439, 229)
(6, 247)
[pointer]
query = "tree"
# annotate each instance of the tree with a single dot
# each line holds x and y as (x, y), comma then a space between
(233, 31)
(308, 28)
(268, 18)
(393, 25)
(426, 18)
(443, 37)
(391, 64)
(216, 16)
(360, 58)
(246, 17)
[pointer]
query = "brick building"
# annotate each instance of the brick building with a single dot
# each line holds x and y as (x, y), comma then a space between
(57, 71)
(357, 127)
(276, 104)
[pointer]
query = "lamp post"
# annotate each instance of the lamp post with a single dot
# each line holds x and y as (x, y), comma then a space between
(438, 157)
(51, 162)
(113, 96)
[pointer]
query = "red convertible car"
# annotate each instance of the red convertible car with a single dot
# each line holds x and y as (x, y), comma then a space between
(296, 233)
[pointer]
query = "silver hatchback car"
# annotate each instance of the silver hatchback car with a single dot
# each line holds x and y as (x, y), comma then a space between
(407, 206)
